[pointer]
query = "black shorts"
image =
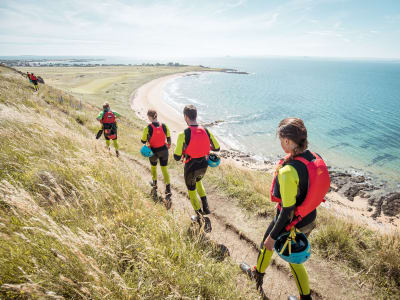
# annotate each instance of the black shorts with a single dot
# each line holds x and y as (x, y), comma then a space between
(110, 131)
(194, 171)
(34, 82)
(160, 155)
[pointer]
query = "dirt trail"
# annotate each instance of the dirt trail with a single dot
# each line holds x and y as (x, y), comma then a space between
(241, 234)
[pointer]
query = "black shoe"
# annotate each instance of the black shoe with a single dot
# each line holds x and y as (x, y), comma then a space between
(153, 192)
(206, 210)
(117, 153)
(168, 189)
(203, 222)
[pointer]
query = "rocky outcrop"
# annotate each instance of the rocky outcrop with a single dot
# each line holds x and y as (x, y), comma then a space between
(388, 204)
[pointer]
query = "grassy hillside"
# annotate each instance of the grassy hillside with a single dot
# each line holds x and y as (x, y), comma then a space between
(76, 222)
(76, 219)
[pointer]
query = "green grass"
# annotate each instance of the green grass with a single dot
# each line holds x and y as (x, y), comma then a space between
(77, 223)
(51, 164)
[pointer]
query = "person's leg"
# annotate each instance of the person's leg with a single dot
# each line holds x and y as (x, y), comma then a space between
(190, 181)
(202, 193)
(300, 275)
(153, 163)
(164, 169)
(115, 142)
(108, 142)
(264, 257)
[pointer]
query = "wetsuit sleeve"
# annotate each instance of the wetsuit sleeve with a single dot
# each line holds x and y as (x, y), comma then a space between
(168, 134)
(100, 116)
(214, 143)
(116, 114)
(288, 187)
(145, 135)
(179, 146)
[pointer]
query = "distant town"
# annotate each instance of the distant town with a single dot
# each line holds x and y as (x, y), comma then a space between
(74, 63)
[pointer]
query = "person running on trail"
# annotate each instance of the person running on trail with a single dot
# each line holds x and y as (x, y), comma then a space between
(290, 188)
(109, 124)
(157, 135)
(35, 82)
(194, 144)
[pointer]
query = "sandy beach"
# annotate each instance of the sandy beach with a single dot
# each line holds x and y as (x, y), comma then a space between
(150, 96)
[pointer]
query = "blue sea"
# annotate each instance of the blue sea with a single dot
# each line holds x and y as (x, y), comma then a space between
(351, 108)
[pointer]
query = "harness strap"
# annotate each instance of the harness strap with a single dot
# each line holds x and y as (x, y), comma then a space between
(290, 238)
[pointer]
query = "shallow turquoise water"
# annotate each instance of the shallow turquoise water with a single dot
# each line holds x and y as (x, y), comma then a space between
(351, 108)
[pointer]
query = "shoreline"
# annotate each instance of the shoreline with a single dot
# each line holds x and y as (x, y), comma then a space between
(351, 195)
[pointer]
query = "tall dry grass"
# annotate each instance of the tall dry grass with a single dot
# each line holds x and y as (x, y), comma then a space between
(76, 223)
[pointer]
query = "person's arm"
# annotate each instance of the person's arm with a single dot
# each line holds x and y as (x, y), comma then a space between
(168, 135)
(100, 116)
(288, 183)
(116, 114)
(145, 135)
(179, 146)
(213, 141)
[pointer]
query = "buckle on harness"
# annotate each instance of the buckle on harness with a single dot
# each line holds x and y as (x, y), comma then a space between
(294, 222)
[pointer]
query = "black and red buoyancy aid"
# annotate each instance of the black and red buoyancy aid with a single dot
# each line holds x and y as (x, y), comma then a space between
(199, 144)
(158, 137)
(108, 117)
(318, 186)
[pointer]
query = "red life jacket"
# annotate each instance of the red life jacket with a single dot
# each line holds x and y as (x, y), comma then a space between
(199, 144)
(33, 77)
(108, 117)
(158, 137)
(318, 185)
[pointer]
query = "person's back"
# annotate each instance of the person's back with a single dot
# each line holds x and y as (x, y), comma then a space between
(158, 137)
(107, 118)
(194, 144)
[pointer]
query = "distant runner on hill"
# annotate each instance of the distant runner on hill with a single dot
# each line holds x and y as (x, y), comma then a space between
(157, 135)
(35, 82)
(194, 144)
(109, 123)
(300, 183)
(29, 76)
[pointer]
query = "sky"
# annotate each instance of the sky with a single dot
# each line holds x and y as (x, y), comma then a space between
(201, 28)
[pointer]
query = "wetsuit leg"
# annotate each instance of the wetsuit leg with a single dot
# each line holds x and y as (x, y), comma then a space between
(164, 165)
(115, 142)
(300, 275)
(200, 188)
(264, 257)
(153, 162)
(194, 172)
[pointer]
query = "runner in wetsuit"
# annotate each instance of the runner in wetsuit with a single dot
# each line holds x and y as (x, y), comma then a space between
(109, 124)
(291, 186)
(195, 144)
(35, 82)
(158, 136)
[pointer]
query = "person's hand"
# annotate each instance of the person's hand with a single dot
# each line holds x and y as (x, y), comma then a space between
(269, 243)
